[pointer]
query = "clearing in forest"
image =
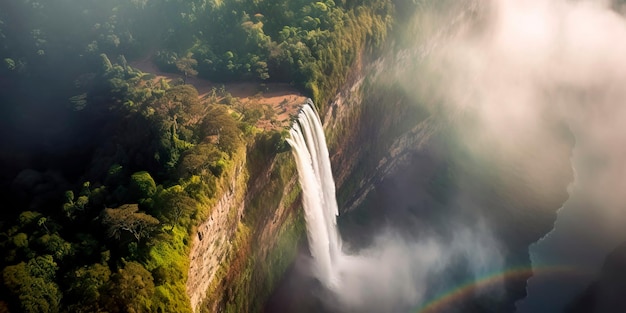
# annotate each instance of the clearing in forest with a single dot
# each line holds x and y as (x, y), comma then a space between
(278, 102)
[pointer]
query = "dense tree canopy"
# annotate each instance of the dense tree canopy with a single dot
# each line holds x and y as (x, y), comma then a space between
(102, 223)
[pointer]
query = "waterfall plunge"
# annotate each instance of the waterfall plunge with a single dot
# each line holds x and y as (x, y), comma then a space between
(318, 192)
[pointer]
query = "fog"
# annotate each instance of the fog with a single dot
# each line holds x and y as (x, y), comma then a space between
(515, 65)
(398, 271)
(396, 274)
(530, 75)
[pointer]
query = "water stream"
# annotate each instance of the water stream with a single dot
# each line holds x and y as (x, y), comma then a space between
(318, 192)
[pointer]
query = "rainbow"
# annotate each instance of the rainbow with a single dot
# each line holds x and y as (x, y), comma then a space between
(454, 295)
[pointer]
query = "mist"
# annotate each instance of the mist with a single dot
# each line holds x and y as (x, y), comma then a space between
(406, 265)
(520, 68)
(529, 84)
(397, 274)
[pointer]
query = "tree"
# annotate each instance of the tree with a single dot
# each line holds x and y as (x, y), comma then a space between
(106, 64)
(72, 205)
(42, 223)
(33, 284)
(219, 122)
(187, 65)
(180, 103)
(142, 185)
(175, 204)
(201, 159)
(28, 217)
(10, 64)
(55, 245)
(132, 288)
(87, 285)
(127, 218)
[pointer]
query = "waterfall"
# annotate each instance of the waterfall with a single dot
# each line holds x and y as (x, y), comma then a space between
(318, 192)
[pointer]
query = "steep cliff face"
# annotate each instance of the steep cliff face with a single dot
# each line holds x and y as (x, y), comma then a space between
(213, 241)
(250, 236)
(253, 232)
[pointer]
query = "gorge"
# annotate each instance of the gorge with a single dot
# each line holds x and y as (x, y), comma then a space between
(297, 156)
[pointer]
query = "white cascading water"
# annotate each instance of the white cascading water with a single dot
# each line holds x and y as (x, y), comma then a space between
(318, 192)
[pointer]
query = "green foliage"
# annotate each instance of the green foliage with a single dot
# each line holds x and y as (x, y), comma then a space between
(87, 286)
(166, 60)
(127, 218)
(33, 284)
(175, 205)
(131, 290)
(171, 298)
(203, 159)
(28, 217)
(183, 151)
(10, 64)
(187, 65)
(86, 245)
(56, 246)
(201, 189)
(73, 206)
(20, 240)
(106, 66)
(311, 44)
(168, 262)
(142, 185)
(219, 123)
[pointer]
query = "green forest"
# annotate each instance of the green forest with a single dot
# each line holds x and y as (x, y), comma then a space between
(105, 170)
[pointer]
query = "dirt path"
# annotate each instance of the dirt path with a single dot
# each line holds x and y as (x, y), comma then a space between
(282, 99)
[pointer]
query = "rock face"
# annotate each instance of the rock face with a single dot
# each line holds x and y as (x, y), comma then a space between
(251, 235)
(606, 294)
(213, 241)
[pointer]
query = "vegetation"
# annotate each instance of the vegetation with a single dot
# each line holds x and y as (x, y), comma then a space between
(254, 268)
(103, 220)
(122, 235)
(311, 44)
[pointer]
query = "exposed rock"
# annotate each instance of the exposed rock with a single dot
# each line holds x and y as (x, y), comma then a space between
(205, 255)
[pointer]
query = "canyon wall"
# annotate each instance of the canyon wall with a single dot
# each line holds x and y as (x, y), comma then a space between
(249, 238)
(252, 236)
(212, 243)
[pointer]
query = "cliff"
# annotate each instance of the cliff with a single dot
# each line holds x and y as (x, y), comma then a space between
(251, 235)
(255, 230)
(214, 238)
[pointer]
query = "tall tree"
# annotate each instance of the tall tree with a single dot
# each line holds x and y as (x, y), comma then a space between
(127, 218)
(132, 289)
(175, 204)
(33, 284)
(87, 285)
